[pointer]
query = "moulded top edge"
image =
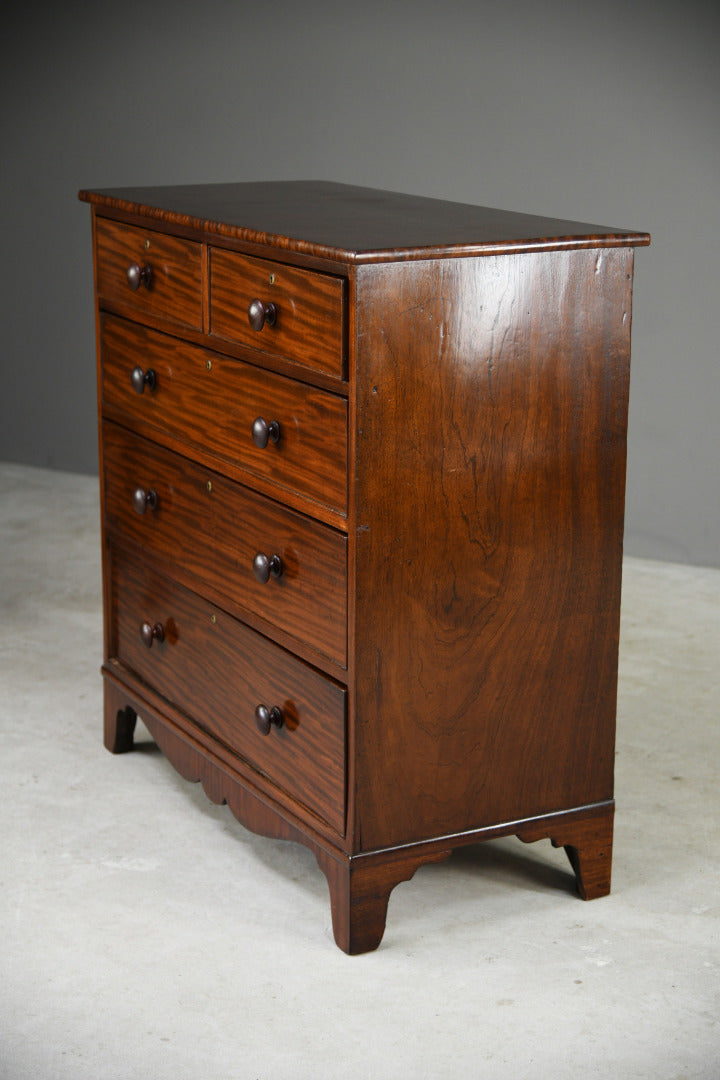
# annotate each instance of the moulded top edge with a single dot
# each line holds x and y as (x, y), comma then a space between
(354, 224)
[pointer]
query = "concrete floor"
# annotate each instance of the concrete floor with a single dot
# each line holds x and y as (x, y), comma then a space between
(148, 935)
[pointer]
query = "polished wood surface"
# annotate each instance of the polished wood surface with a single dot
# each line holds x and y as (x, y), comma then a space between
(174, 289)
(350, 223)
(219, 671)
(208, 403)
(489, 538)
(194, 527)
(360, 885)
(308, 309)
(588, 843)
(363, 533)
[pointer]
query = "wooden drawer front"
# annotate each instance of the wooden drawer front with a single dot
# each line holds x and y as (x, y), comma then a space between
(174, 289)
(309, 309)
(214, 528)
(218, 671)
(212, 402)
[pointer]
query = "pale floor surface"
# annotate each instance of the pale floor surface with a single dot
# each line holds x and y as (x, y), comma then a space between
(146, 934)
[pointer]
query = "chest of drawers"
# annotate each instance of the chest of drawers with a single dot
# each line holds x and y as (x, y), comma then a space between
(363, 466)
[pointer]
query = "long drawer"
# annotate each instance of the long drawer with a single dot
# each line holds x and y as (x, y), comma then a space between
(235, 684)
(216, 404)
(227, 536)
(150, 273)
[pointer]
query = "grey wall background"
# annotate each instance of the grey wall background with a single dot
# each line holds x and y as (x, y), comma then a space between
(607, 113)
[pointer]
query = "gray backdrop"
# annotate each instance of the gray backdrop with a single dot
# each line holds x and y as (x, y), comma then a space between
(605, 112)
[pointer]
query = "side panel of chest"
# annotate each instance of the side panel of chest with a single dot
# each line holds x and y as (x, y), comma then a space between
(491, 410)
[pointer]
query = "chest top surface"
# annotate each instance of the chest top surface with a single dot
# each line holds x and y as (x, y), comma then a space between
(354, 224)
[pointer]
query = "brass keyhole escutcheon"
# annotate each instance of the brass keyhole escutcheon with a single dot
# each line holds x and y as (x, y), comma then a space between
(208, 365)
(209, 485)
(147, 245)
(271, 279)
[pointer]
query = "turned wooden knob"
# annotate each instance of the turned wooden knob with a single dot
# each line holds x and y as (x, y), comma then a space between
(150, 632)
(266, 718)
(260, 313)
(262, 432)
(140, 379)
(144, 500)
(137, 275)
(265, 566)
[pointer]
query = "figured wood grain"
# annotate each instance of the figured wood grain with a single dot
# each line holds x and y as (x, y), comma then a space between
(209, 402)
(489, 538)
(263, 808)
(213, 528)
(218, 671)
(360, 886)
(175, 291)
(309, 310)
(353, 224)
(451, 392)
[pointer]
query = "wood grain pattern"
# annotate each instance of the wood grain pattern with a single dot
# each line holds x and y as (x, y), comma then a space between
(353, 224)
(207, 526)
(360, 891)
(218, 671)
(211, 410)
(261, 807)
(310, 324)
(451, 389)
(360, 886)
(489, 538)
(588, 844)
(175, 292)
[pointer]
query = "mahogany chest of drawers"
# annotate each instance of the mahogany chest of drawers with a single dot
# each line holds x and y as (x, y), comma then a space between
(363, 467)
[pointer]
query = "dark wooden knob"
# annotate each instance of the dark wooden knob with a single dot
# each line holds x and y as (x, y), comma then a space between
(264, 566)
(265, 718)
(144, 500)
(260, 313)
(262, 432)
(150, 632)
(140, 379)
(137, 275)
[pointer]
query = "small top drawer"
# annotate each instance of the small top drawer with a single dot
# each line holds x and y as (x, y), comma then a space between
(277, 308)
(149, 273)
